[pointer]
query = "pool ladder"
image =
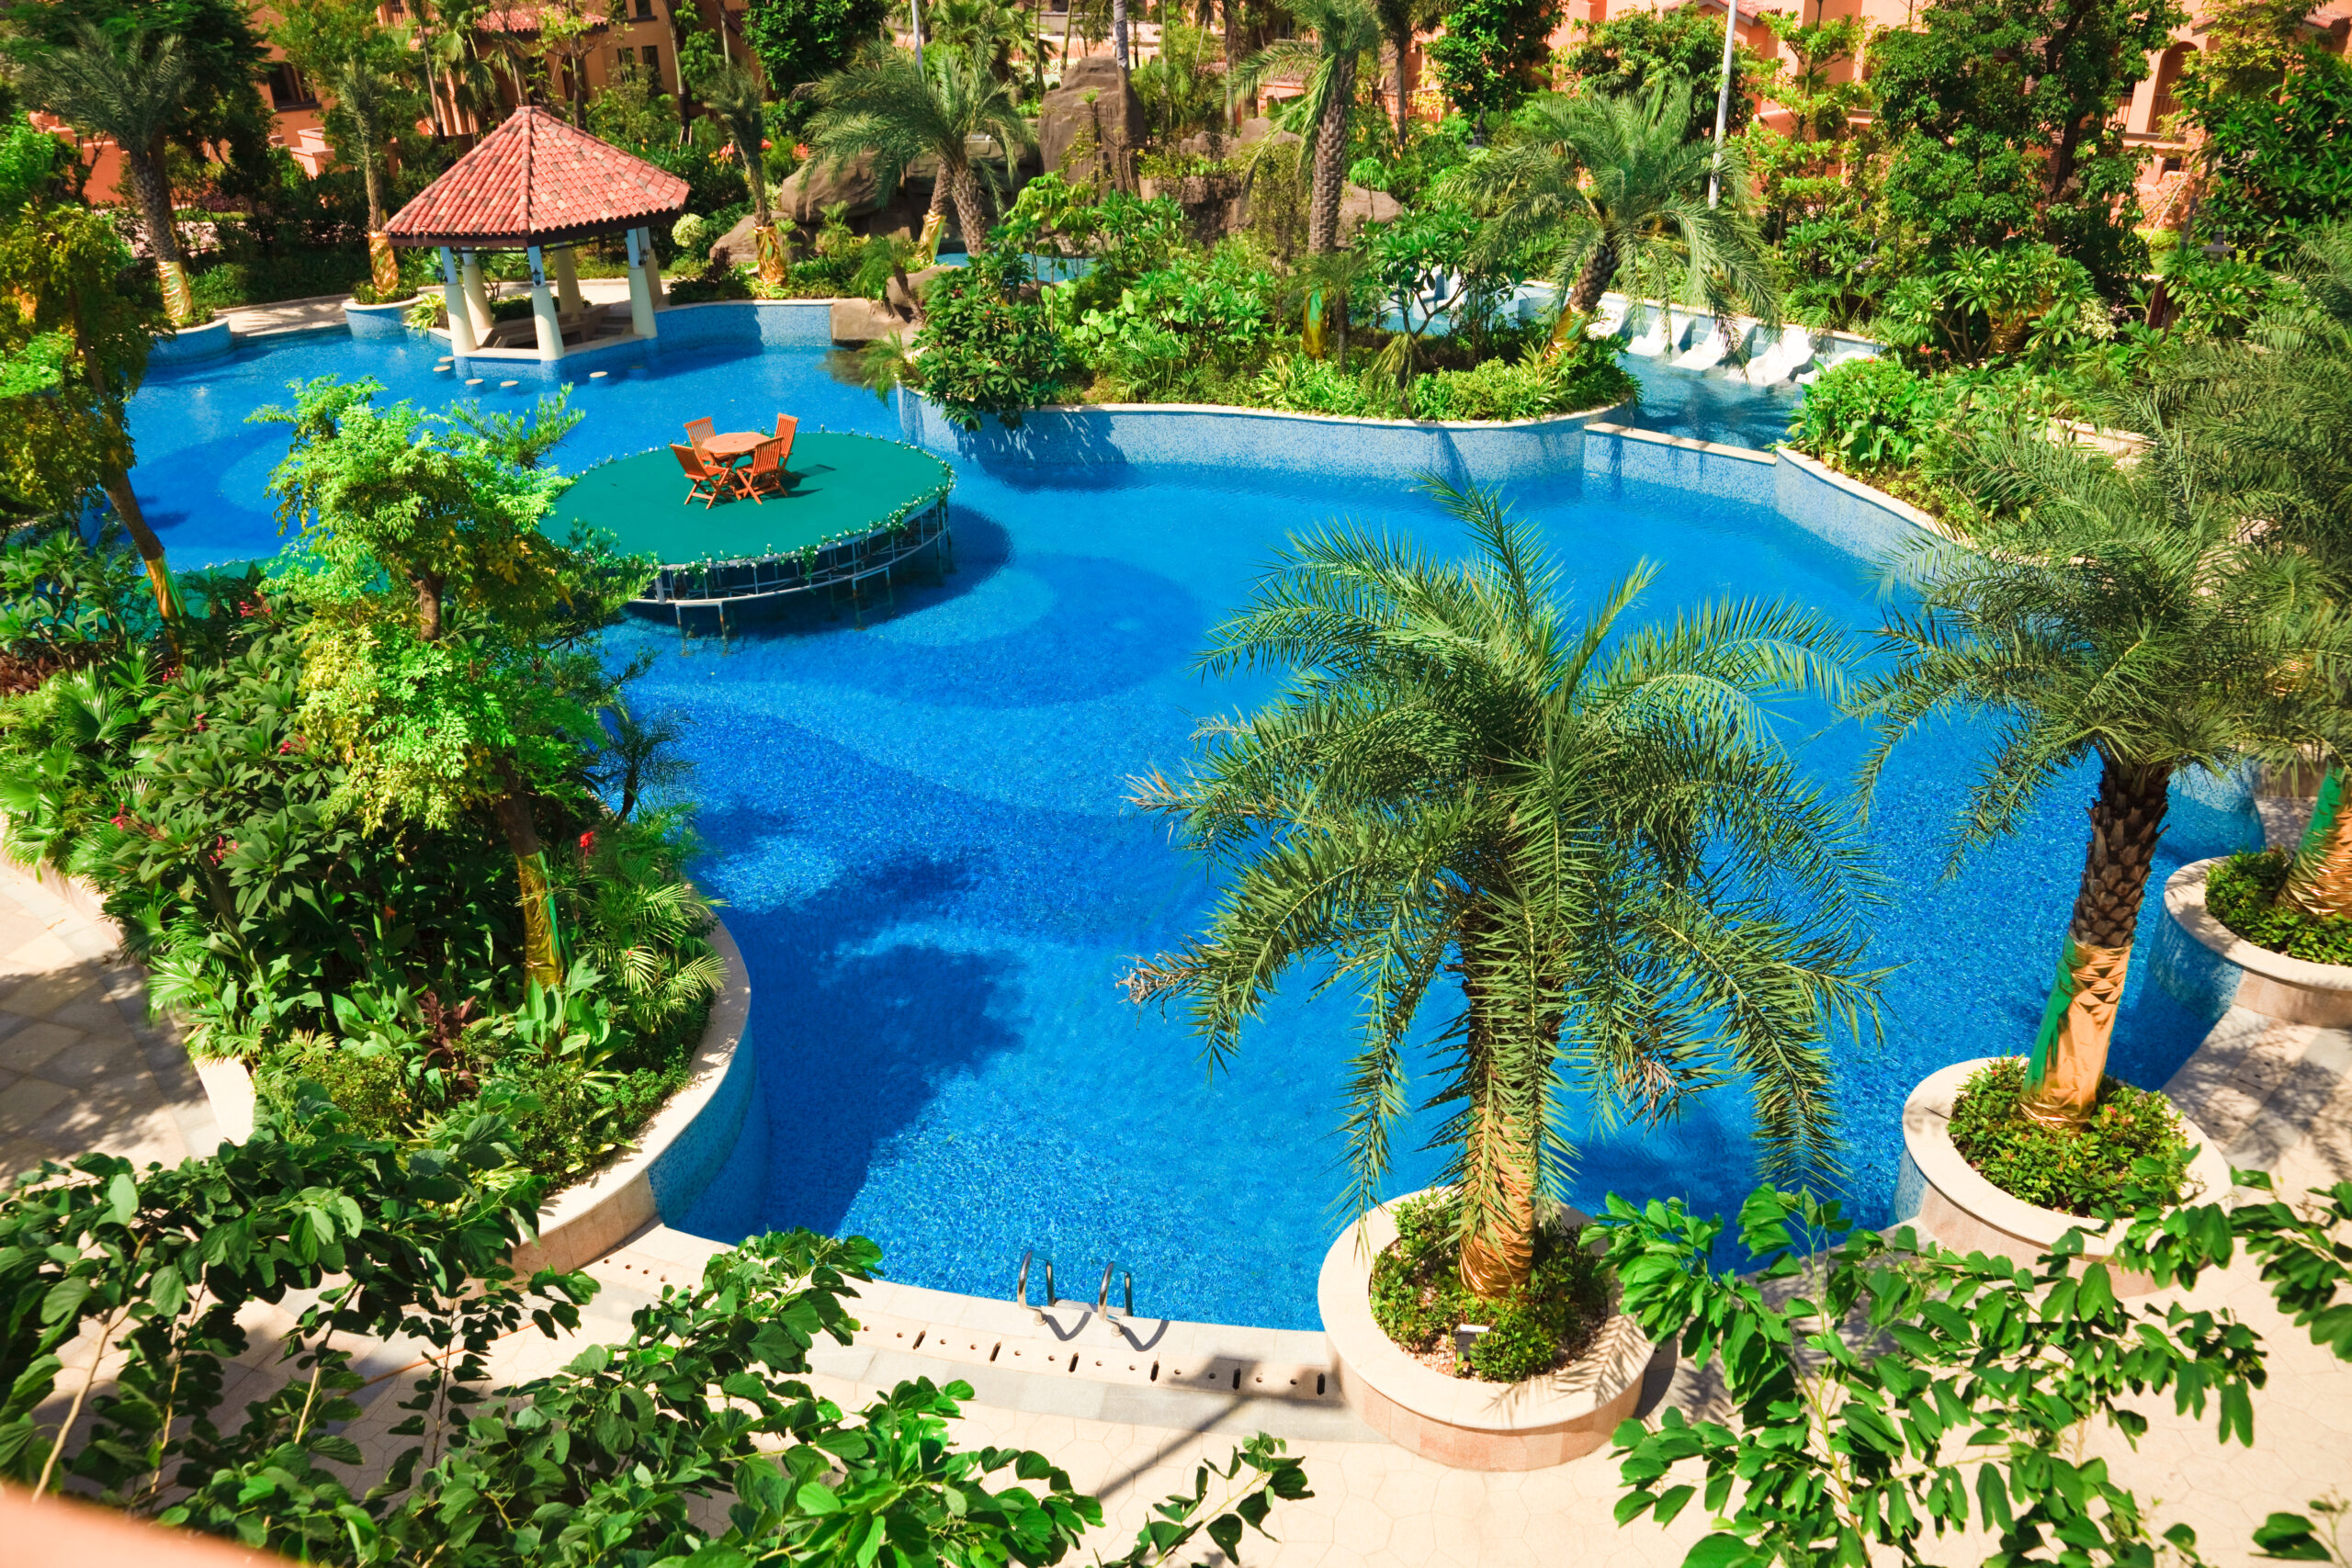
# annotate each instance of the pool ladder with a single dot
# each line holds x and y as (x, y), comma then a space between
(1102, 1293)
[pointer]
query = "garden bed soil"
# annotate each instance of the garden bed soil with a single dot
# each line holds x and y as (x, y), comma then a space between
(1460, 1422)
(1950, 1202)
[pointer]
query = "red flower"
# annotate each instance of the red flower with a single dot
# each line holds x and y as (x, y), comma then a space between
(284, 747)
(253, 606)
(121, 820)
(587, 840)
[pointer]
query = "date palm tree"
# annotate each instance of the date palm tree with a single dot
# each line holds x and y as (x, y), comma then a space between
(1578, 837)
(1610, 182)
(1400, 22)
(886, 104)
(2107, 613)
(735, 95)
(129, 90)
(1343, 30)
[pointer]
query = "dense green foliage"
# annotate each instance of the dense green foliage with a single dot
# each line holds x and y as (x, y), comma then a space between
(1419, 1300)
(987, 345)
(2243, 893)
(603, 1461)
(801, 40)
(1492, 52)
(1883, 1392)
(1634, 51)
(2075, 1172)
(2278, 166)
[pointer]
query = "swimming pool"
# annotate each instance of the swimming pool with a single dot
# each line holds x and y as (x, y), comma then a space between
(919, 835)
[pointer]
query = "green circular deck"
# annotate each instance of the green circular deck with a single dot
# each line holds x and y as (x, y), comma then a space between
(843, 488)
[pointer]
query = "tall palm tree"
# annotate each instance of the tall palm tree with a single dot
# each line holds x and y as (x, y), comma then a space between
(735, 94)
(131, 90)
(2109, 614)
(1343, 30)
(1610, 182)
(369, 75)
(1591, 823)
(1400, 22)
(886, 104)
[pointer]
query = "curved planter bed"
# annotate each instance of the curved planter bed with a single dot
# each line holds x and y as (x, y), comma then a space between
(1944, 1196)
(1462, 1421)
(2293, 990)
(209, 341)
(379, 321)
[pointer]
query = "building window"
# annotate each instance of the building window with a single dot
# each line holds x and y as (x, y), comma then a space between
(625, 58)
(644, 10)
(2168, 71)
(651, 59)
(287, 90)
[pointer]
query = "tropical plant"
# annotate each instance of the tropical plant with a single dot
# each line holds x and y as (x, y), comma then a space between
(130, 89)
(66, 429)
(368, 73)
(623, 1452)
(1604, 183)
(1326, 289)
(1875, 1381)
(736, 95)
(1402, 21)
(1867, 414)
(987, 349)
(1344, 31)
(1493, 53)
(888, 105)
(2105, 612)
(1594, 825)
(1636, 53)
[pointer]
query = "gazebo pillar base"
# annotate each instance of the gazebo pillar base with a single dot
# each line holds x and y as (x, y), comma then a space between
(640, 290)
(567, 280)
(453, 300)
(543, 317)
(476, 298)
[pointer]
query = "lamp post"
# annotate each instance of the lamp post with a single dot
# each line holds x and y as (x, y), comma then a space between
(1722, 101)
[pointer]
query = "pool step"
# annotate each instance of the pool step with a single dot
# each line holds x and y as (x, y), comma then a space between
(1097, 1362)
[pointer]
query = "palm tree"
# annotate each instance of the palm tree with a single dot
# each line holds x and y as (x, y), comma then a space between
(1400, 22)
(1591, 823)
(1611, 181)
(886, 104)
(130, 91)
(1324, 287)
(734, 93)
(1343, 30)
(2114, 614)
(369, 73)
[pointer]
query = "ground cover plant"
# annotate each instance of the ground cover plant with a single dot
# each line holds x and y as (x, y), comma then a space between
(402, 1243)
(2245, 893)
(1419, 1302)
(2132, 1142)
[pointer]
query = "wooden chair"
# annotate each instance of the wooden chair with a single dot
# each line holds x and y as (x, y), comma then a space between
(699, 431)
(766, 471)
(710, 478)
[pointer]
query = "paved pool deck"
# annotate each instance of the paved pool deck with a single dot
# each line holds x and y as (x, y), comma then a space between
(80, 1068)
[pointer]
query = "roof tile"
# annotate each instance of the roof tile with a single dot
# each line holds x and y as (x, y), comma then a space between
(533, 180)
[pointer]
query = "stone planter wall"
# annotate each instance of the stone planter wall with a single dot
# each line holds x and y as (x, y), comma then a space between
(377, 320)
(210, 340)
(1547, 1420)
(2293, 990)
(1941, 1194)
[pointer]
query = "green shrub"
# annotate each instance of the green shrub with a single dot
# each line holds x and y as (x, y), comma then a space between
(1585, 374)
(1866, 413)
(1419, 1300)
(262, 280)
(369, 1083)
(2073, 1171)
(987, 347)
(2243, 893)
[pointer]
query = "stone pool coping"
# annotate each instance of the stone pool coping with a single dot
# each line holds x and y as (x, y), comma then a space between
(2295, 990)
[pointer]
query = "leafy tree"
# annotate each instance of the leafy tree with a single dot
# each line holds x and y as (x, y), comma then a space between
(1606, 182)
(615, 1456)
(633, 112)
(132, 90)
(1493, 53)
(987, 347)
(886, 104)
(441, 690)
(1344, 31)
(2107, 611)
(1402, 21)
(1998, 119)
(1640, 52)
(2276, 163)
(1877, 1380)
(65, 269)
(32, 168)
(806, 40)
(1581, 821)
(369, 75)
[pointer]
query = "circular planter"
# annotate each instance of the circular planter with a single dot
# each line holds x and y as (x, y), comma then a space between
(1545, 1420)
(376, 320)
(1943, 1195)
(2293, 990)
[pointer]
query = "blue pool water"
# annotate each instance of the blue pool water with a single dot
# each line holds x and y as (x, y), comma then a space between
(919, 834)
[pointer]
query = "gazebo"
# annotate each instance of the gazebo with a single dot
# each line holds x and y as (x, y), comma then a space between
(540, 185)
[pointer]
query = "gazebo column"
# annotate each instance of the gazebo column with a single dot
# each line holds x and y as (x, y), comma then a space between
(453, 300)
(640, 291)
(567, 280)
(550, 333)
(477, 298)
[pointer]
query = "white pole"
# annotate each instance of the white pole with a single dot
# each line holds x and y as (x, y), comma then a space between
(1723, 100)
(914, 19)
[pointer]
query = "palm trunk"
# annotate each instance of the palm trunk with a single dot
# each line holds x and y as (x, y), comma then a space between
(1330, 147)
(540, 960)
(2070, 1051)
(1232, 65)
(1599, 269)
(149, 548)
(2321, 882)
(425, 54)
(1498, 1240)
(969, 215)
(1404, 98)
(155, 194)
(1119, 35)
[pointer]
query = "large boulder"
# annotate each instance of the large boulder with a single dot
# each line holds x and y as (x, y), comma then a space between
(863, 320)
(803, 194)
(1263, 130)
(737, 247)
(909, 299)
(1090, 96)
(1359, 207)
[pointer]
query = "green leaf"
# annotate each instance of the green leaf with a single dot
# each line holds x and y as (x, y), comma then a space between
(122, 1199)
(1719, 1551)
(816, 1497)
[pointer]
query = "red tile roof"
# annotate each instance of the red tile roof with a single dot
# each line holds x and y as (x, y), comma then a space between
(534, 180)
